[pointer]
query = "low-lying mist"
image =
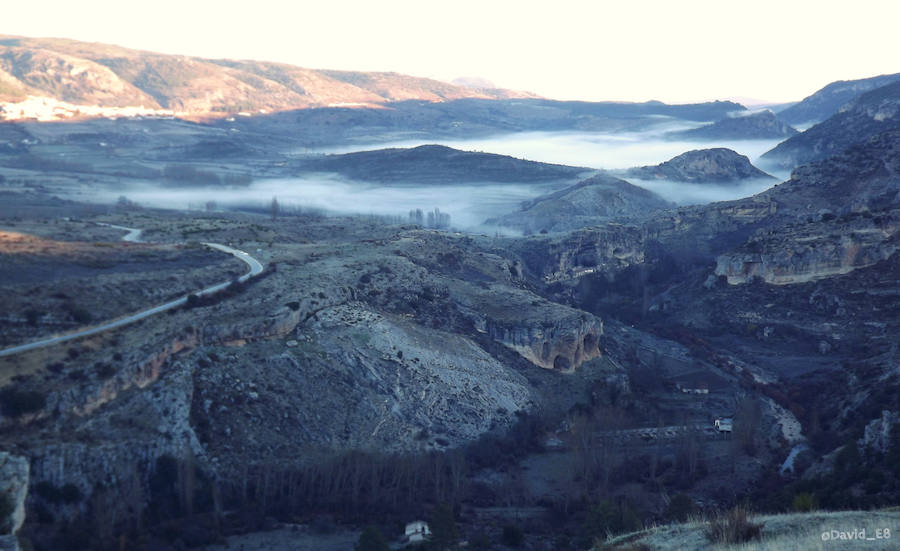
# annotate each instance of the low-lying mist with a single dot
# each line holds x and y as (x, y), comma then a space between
(588, 149)
(685, 193)
(470, 203)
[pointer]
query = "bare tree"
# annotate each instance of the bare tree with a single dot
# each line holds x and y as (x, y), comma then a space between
(274, 208)
(747, 420)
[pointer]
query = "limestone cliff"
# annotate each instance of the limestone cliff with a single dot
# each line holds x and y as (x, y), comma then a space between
(808, 253)
(604, 249)
(547, 334)
(14, 479)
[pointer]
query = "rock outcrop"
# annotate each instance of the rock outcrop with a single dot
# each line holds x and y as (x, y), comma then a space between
(547, 334)
(14, 480)
(799, 257)
(701, 165)
(605, 249)
(877, 435)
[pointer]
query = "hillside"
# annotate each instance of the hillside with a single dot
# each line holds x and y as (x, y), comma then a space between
(104, 75)
(874, 112)
(829, 100)
(790, 532)
(755, 126)
(437, 164)
(701, 165)
(599, 199)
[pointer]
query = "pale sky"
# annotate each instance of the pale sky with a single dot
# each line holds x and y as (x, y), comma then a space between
(633, 50)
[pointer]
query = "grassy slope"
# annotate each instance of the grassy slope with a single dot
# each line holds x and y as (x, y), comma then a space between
(787, 532)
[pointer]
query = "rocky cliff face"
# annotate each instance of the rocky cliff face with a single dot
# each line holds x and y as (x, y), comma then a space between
(701, 165)
(877, 435)
(547, 334)
(133, 431)
(605, 249)
(808, 253)
(14, 479)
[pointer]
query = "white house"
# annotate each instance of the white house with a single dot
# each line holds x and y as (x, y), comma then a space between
(724, 424)
(416, 532)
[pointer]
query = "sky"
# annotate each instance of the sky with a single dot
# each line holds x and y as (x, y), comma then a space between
(635, 50)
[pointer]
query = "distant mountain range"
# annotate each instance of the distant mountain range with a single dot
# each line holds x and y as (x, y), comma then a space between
(873, 112)
(84, 73)
(829, 100)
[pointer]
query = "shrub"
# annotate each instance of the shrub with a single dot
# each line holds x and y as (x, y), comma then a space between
(14, 402)
(733, 527)
(6, 510)
(70, 493)
(104, 370)
(480, 541)
(805, 502)
(607, 518)
(512, 536)
(680, 508)
(32, 317)
(371, 540)
(80, 315)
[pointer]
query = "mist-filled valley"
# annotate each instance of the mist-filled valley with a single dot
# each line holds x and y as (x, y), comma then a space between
(468, 199)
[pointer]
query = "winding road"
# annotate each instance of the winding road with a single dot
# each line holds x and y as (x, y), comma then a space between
(133, 236)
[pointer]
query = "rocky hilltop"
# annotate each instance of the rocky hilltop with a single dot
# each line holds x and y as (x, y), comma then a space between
(598, 199)
(701, 165)
(873, 112)
(830, 99)
(437, 164)
(754, 126)
(92, 74)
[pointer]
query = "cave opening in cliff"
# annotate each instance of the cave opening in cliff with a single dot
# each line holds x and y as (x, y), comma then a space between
(591, 345)
(561, 363)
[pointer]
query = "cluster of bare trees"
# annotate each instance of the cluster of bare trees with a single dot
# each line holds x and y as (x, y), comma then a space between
(431, 219)
(355, 485)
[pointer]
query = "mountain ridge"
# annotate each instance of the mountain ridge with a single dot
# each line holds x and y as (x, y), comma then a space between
(828, 100)
(872, 113)
(114, 76)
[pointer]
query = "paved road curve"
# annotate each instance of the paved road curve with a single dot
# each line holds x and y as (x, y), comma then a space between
(256, 268)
